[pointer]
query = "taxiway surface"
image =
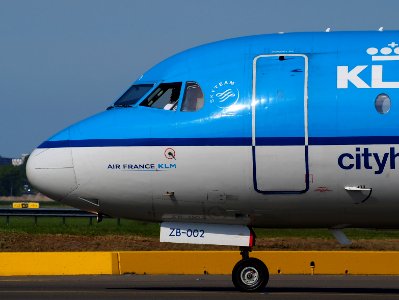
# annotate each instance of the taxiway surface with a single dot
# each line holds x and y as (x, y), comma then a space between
(196, 287)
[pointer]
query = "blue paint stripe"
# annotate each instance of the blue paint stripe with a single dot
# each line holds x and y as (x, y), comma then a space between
(354, 140)
(237, 141)
(54, 144)
(280, 141)
(149, 142)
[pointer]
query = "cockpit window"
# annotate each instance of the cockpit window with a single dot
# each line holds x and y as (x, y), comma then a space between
(165, 96)
(133, 94)
(193, 97)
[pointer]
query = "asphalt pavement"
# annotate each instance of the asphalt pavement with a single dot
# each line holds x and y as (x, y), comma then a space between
(196, 287)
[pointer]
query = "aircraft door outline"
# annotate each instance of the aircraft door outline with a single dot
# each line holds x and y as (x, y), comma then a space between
(293, 147)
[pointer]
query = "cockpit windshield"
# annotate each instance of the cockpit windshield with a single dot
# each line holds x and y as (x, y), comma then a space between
(133, 94)
(165, 96)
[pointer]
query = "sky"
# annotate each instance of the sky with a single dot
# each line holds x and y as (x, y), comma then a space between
(64, 60)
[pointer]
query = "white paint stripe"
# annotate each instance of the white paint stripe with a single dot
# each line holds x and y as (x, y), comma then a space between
(382, 58)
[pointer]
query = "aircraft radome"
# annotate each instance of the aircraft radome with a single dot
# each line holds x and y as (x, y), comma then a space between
(295, 130)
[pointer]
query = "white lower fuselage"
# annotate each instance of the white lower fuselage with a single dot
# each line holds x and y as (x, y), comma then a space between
(215, 184)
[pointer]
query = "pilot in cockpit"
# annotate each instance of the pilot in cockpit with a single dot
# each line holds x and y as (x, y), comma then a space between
(174, 97)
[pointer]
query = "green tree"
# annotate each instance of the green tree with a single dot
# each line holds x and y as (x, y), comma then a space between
(12, 180)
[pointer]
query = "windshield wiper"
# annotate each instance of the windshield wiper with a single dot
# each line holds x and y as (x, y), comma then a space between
(122, 105)
(118, 105)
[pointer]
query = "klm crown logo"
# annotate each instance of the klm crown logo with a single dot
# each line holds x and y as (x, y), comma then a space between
(386, 51)
(344, 75)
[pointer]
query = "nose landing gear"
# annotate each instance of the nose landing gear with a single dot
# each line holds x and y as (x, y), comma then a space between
(250, 274)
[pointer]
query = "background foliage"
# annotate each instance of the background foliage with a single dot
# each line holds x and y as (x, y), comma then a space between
(13, 179)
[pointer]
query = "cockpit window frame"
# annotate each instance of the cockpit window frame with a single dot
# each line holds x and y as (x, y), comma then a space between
(187, 85)
(175, 105)
(139, 100)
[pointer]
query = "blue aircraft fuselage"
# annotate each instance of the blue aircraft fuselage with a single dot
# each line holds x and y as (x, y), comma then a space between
(286, 120)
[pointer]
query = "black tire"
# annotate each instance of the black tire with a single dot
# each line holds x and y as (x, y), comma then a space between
(250, 275)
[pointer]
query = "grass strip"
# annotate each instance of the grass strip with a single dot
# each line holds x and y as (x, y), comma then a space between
(82, 226)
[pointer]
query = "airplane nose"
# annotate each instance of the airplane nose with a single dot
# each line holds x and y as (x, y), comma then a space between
(51, 172)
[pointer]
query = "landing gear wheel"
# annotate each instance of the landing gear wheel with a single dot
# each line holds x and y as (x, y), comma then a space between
(250, 275)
